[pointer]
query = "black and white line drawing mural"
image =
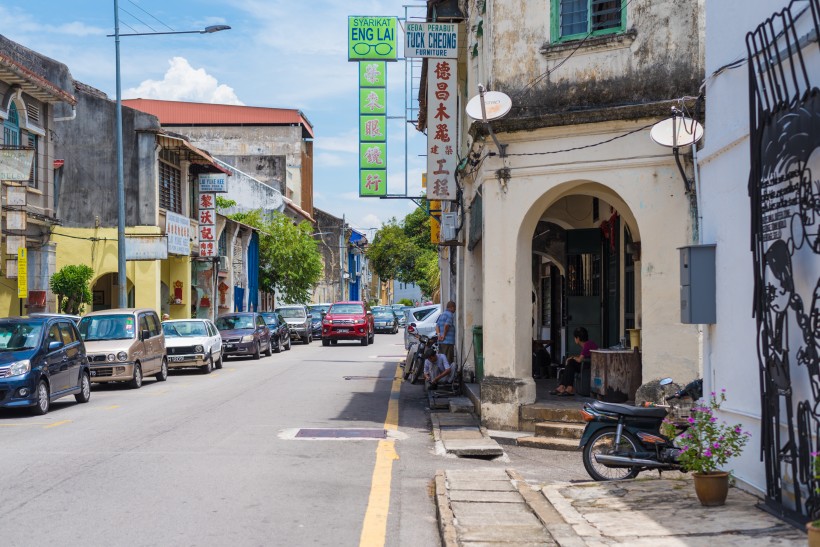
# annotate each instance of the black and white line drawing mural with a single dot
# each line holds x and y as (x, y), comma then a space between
(784, 188)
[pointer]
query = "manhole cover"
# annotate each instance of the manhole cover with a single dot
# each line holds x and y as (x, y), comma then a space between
(342, 434)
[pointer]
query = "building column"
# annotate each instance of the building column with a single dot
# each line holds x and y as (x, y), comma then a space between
(147, 279)
(180, 270)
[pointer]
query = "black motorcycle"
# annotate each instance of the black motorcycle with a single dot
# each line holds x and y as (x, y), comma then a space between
(415, 367)
(620, 441)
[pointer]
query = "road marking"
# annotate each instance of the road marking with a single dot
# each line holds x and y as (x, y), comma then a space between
(374, 528)
(57, 424)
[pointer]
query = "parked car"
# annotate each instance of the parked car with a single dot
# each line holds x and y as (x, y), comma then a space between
(421, 320)
(244, 333)
(348, 321)
(316, 323)
(298, 320)
(385, 319)
(400, 312)
(192, 343)
(74, 318)
(279, 331)
(41, 359)
(124, 345)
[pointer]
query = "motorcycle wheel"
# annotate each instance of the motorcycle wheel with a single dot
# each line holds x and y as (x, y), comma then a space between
(603, 442)
(418, 367)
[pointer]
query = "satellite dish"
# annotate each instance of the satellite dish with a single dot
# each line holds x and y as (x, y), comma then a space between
(676, 131)
(496, 105)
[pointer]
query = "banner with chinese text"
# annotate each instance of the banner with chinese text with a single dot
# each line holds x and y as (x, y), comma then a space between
(441, 129)
(207, 225)
(372, 129)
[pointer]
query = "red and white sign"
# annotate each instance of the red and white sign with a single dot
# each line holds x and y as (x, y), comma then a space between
(442, 131)
(208, 245)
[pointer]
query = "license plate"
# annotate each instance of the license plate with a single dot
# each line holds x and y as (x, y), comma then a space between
(176, 358)
(229, 346)
(343, 330)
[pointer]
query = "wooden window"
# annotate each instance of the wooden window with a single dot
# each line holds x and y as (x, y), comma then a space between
(170, 181)
(33, 142)
(577, 19)
(11, 128)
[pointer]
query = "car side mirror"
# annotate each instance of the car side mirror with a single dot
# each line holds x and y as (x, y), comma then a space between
(54, 345)
(146, 334)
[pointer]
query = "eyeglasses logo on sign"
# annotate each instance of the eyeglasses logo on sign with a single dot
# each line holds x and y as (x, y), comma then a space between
(372, 38)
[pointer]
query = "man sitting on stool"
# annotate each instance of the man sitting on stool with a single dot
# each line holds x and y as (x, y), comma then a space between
(436, 367)
(573, 363)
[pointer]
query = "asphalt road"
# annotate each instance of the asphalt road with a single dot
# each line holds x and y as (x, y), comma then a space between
(214, 459)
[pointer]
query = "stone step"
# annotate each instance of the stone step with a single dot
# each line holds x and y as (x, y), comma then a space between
(563, 430)
(541, 413)
(550, 443)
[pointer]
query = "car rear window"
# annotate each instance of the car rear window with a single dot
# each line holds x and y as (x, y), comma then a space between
(421, 314)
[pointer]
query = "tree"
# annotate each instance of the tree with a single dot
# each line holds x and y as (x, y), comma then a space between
(392, 253)
(70, 284)
(289, 258)
(405, 302)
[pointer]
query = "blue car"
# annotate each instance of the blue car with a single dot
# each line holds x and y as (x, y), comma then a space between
(41, 359)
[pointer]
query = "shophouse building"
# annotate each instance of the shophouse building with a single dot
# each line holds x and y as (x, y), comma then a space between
(576, 219)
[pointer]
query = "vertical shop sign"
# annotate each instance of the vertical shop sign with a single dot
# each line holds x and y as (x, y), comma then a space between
(177, 230)
(372, 128)
(207, 225)
(22, 272)
(441, 130)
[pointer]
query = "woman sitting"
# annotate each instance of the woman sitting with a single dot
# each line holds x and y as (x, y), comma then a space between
(573, 363)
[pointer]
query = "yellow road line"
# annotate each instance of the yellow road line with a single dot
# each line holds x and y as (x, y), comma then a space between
(374, 528)
(57, 424)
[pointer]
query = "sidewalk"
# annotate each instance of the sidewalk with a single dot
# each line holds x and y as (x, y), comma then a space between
(492, 506)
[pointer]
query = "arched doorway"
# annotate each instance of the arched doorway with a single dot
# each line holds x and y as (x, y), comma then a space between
(105, 292)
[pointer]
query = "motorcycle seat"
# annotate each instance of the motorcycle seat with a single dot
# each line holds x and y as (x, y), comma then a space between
(628, 410)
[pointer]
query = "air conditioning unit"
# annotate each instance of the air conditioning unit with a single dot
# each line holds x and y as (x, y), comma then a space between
(449, 224)
(224, 263)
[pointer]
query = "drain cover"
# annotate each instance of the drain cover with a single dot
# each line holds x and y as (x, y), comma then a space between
(341, 434)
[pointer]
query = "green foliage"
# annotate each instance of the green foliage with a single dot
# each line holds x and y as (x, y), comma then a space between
(289, 258)
(405, 302)
(707, 445)
(70, 284)
(224, 203)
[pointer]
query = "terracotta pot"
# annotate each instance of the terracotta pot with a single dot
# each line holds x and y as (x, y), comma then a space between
(813, 529)
(712, 488)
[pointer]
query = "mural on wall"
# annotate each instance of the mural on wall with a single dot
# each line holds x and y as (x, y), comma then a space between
(784, 187)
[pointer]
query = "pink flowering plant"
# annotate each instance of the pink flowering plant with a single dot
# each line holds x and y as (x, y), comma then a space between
(707, 444)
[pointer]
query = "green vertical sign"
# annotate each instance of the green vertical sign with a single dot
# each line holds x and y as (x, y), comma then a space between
(371, 38)
(372, 128)
(372, 74)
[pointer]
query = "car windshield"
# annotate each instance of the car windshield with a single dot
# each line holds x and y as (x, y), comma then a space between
(383, 313)
(19, 336)
(351, 309)
(316, 315)
(184, 329)
(270, 318)
(107, 327)
(292, 313)
(231, 322)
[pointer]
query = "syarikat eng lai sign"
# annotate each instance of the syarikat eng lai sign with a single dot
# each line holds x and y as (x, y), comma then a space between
(432, 40)
(441, 130)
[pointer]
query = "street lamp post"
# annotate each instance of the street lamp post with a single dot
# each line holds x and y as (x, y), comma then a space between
(121, 277)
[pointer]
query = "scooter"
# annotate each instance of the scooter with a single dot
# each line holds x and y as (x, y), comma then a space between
(415, 368)
(620, 441)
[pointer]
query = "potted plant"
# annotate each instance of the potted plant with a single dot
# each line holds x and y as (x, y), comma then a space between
(706, 447)
(813, 527)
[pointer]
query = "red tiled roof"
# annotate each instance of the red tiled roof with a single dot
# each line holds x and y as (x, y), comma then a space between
(184, 113)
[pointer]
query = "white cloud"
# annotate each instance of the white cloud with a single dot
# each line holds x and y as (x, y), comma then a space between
(371, 221)
(182, 82)
(332, 160)
(347, 142)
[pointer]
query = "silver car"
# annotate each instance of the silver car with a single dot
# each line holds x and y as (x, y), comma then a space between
(421, 320)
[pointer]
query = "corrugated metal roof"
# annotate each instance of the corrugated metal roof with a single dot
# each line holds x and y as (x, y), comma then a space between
(184, 113)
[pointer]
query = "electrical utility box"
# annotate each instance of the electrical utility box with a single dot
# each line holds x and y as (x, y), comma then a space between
(449, 222)
(698, 295)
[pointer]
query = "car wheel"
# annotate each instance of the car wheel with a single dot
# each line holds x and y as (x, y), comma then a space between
(396, 329)
(257, 352)
(325, 342)
(365, 340)
(305, 339)
(287, 346)
(162, 375)
(269, 351)
(278, 347)
(310, 338)
(334, 342)
(218, 364)
(43, 399)
(209, 365)
(85, 389)
(136, 381)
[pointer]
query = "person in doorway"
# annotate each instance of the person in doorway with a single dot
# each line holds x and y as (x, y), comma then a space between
(446, 331)
(436, 367)
(573, 363)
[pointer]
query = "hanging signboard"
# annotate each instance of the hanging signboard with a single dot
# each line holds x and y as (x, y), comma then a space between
(178, 230)
(371, 38)
(22, 273)
(207, 225)
(146, 248)
(15, 164)
(213, 182)
(432, 40)
(372, 129)
(441, 130)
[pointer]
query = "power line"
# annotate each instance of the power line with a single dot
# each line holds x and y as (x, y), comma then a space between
(584, 147)
(151, 15)
(138, 19)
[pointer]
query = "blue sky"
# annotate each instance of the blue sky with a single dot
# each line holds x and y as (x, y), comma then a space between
(286, 54)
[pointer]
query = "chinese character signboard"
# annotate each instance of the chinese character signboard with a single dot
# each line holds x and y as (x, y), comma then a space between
(177, 230)
(22, 272)
(371, 38)
(441, 130)
(208, 245)
(372, 129)
(431, 40)
(213, 182)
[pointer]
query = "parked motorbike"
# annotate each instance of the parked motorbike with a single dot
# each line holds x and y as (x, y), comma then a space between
(415, 368)
(620, 441)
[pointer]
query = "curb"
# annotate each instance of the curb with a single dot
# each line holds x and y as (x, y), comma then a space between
(446, 518)
(560, 530)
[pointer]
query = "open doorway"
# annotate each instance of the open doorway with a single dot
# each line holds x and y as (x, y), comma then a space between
(105, 292)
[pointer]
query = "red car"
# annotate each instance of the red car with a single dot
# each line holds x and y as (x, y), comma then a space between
(348, 321)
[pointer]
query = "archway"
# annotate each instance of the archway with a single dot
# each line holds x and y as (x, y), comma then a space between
(104, 292)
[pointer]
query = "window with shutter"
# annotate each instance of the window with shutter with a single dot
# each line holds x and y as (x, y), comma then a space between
(579, 19)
